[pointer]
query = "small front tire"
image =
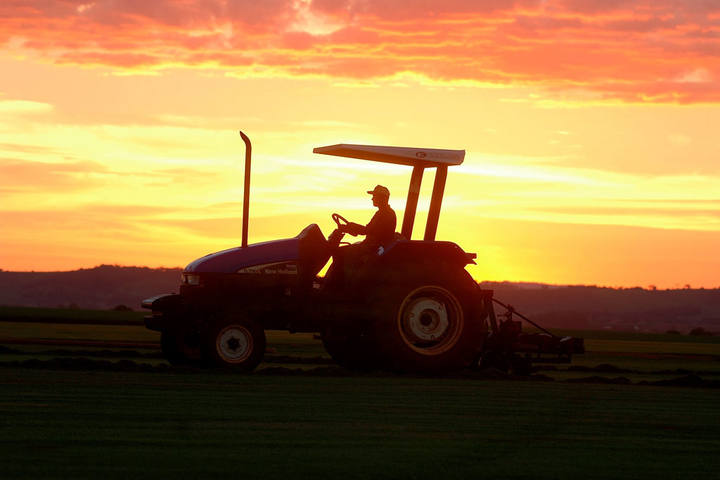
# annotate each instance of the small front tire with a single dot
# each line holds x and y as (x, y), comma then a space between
(237, 344)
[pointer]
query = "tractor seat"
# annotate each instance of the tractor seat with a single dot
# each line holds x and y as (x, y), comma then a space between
(396, 236)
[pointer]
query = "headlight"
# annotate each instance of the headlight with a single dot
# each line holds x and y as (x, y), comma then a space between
(190, 279)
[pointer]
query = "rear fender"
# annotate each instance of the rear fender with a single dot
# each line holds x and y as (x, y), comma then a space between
(414, 251)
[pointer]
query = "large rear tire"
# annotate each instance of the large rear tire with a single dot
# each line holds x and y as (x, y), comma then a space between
(235, 343)
(430, 324)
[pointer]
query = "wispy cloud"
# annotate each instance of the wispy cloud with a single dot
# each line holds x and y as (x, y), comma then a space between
(20, 107)
(18, 176)
(642, 51)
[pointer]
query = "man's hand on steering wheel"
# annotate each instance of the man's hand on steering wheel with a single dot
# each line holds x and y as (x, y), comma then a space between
(343, 225)
(340, 221)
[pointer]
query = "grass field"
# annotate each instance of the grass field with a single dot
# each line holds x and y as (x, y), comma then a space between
(63, 420)
(63, 424)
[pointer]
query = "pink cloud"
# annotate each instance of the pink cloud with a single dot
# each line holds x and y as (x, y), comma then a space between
(592, 6)
(629, 50)
(431, 8)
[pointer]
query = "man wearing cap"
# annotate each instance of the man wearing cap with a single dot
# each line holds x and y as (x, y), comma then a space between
(380, 231)
(381, 228)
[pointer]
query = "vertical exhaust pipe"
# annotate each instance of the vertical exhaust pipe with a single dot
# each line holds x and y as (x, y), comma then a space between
(246, 193)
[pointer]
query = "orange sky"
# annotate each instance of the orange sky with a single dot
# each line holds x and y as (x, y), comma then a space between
(591, 129)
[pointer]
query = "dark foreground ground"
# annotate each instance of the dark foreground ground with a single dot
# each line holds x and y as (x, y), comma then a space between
(70, 424)
(92, 397)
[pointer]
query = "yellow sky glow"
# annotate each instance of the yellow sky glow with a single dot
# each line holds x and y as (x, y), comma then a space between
(583, 166)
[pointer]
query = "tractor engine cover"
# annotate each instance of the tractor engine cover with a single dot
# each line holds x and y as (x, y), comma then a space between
(306, 253)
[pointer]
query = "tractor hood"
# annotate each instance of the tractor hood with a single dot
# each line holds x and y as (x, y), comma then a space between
(233, 259)
(309, 249)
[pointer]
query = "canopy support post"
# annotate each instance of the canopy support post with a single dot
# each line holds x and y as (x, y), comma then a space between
(412, 201)
(435, 203)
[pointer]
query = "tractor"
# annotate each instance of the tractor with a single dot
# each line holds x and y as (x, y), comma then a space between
(407, 306)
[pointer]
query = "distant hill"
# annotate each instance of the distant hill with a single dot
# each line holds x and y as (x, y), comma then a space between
(581, 307)
(103, 287)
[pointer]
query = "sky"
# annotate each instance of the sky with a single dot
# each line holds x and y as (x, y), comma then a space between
(590, 129)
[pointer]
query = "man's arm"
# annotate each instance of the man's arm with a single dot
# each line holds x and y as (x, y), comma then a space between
(355, 229)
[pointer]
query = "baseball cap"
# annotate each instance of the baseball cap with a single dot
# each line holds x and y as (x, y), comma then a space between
(380, 191)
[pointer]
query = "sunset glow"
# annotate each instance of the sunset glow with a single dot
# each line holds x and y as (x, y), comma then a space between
(591, 129)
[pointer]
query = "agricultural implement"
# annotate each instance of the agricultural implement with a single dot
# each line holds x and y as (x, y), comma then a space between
(410, 305)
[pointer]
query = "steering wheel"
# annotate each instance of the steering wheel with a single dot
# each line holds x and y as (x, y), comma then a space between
(339, 220)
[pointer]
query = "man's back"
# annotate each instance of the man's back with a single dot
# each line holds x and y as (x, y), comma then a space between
(381, 228)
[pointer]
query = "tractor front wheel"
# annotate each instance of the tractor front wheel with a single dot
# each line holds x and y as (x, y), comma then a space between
(236, 343)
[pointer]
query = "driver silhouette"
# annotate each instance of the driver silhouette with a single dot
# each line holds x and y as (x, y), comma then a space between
(380, 231)
(381, 228)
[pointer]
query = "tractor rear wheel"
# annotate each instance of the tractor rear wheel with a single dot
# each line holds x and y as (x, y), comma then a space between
(236, 343)
(431, 324)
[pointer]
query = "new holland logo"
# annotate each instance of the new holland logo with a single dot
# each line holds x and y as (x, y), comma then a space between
(421, 154)
(281, 268)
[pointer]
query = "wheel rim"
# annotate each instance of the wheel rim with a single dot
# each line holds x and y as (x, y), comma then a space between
(234, 344)
(430, 320)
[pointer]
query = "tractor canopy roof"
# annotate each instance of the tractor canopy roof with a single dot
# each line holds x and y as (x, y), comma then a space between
(419, 159)
(423, 157)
